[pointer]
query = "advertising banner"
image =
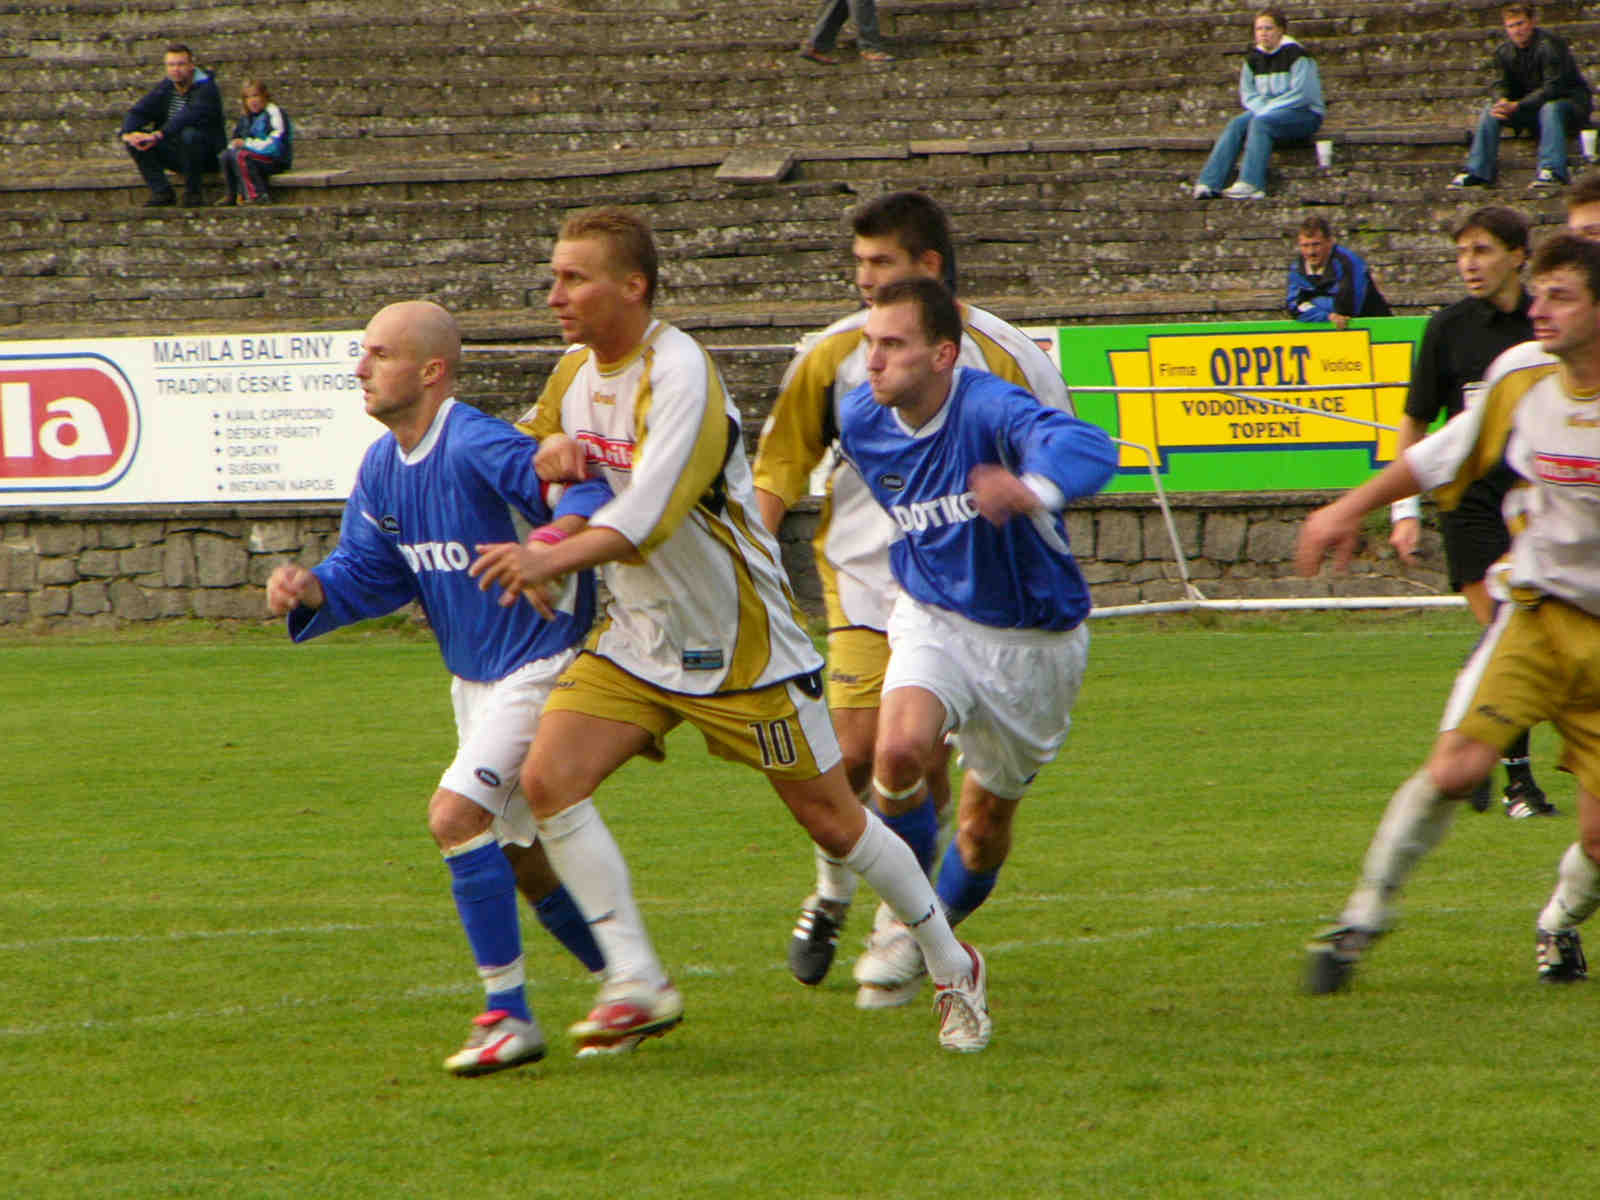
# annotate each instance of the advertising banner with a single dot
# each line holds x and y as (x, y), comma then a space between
(1238, 407)
(216, 418)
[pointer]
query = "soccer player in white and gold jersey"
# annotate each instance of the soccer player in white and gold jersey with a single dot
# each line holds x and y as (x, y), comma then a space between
(899, 235)
(700, 627)
(1539, 660)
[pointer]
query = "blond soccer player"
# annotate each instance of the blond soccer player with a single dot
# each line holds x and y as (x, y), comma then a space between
(700, 627)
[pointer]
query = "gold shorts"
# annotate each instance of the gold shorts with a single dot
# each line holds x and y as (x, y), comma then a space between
(1534, 664)
(857, 660)
(782, 730)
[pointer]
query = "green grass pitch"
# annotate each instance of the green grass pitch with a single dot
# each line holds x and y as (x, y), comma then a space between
(230, 966)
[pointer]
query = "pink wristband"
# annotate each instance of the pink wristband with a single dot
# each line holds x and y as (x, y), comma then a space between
(548, 534)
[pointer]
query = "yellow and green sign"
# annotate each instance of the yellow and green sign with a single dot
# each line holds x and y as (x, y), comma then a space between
(1264, 406)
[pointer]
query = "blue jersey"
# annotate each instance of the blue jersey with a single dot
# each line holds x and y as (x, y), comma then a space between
(409, 532)
(1020, 575)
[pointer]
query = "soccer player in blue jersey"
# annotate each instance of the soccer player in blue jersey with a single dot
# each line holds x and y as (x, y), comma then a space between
(445, 478)
(986, 639)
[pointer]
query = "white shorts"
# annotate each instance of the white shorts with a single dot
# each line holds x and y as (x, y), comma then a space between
(494, 728)
(1007, 693)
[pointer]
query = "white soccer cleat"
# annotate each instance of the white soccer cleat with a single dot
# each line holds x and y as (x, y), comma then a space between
(963, 1008)
(890, 971)
(625, 1013)
(498, 1041)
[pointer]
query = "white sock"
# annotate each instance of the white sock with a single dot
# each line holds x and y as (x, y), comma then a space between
(835, 881)
(1577, 892)
(583, 853)
(888, 864)
(1417, 818)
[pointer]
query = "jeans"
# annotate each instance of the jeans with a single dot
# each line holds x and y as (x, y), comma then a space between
(193, 155)
(1553, 120)
(1256, 135)
(830, 19)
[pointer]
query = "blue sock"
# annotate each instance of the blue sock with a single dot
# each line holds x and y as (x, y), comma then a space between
(918, 829)
(961, 891)
(485, 888)
(559, 914)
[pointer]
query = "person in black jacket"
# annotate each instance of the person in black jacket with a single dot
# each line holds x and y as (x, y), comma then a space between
(176, 126)
(1540, 88)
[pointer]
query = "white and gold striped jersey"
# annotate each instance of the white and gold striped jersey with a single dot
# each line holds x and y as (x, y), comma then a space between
(853, 535)
(1551, 439)
(705, 607)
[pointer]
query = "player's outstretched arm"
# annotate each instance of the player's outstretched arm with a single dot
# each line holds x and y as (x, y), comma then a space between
(1000, 495)
(292, 586)
(519, 569)
(1336, 527)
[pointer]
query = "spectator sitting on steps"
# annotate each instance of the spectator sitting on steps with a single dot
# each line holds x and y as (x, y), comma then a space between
(1540, 88)
(1281, 90)
(262, 145)
(176, 126)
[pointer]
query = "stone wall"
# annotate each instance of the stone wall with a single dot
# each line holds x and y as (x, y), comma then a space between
(67, 568)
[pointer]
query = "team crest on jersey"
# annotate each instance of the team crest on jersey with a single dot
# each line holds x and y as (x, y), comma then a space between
(891, 481)
(1567, 470)
(390, 524)
(605, 398)
(611, 452)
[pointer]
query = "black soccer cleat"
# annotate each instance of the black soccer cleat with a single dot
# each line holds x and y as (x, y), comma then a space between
(815, 938)
(1561, 957)
(1482, 796)
(1524, 798)
(1331, 957)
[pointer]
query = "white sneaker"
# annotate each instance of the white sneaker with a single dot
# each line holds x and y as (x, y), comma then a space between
(625, 1013)
(498, 1041)
(1240, 190)
(1546, 178)
(890, 971)
(963, 1008)
(1202, 192)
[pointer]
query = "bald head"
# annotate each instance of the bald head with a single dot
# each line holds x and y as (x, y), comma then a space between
(425, 329)
(410, 353)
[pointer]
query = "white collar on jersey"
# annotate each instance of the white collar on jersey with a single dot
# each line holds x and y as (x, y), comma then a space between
(935, 422)
(420, 450)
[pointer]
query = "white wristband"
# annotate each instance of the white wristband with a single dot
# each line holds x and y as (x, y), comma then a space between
(1410, 507)
(1049, 493)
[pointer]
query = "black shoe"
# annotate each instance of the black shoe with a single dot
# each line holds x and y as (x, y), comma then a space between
(1467, 180)
(164, 200)
(1481, 797)
(193, 199)
(816, 935)
(1331, 957)
(1561, 957)
(1524, 799)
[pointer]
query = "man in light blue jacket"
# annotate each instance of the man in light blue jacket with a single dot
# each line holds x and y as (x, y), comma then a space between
(1282, 94)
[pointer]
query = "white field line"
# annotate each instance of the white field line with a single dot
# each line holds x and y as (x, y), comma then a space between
(469, 986)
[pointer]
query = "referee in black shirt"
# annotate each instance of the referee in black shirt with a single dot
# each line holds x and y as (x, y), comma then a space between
(1457, 347)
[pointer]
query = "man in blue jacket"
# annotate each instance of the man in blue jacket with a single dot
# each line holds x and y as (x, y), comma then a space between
(176, 126)
(1329, 283)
